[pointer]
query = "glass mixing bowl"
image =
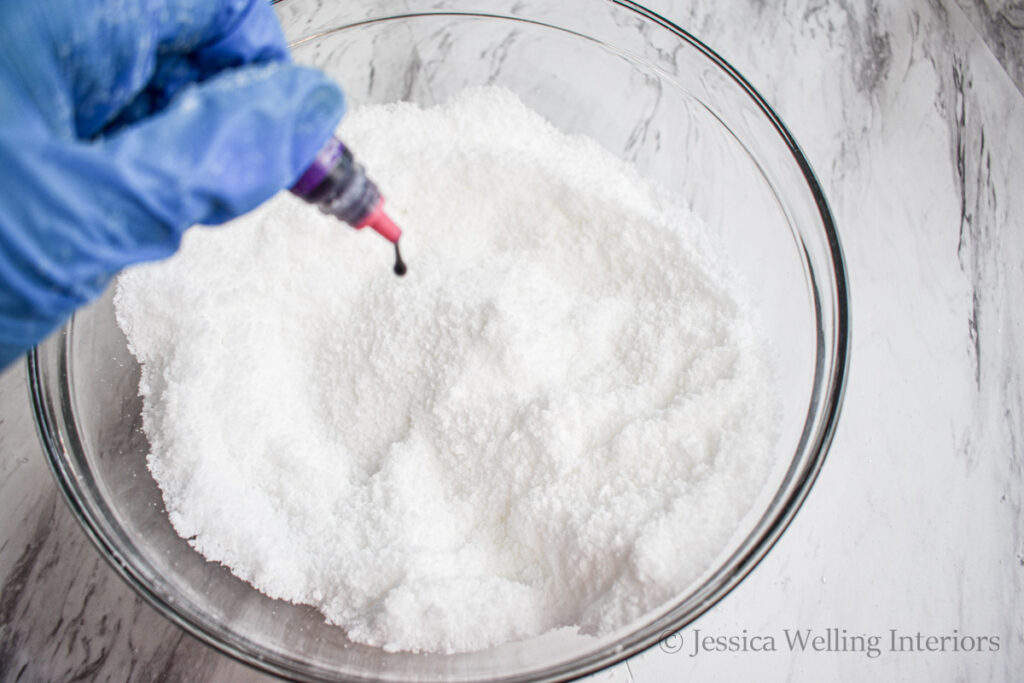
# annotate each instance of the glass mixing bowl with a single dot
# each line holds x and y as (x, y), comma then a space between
(644, 89)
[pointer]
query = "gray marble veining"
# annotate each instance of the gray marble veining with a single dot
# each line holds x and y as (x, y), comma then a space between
(64, 614)
(1001, 24)
(912, 115)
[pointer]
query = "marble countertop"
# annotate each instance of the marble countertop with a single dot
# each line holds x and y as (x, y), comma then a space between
(912, 114)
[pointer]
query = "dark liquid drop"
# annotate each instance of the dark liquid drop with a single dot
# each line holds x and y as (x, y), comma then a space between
(399, 263)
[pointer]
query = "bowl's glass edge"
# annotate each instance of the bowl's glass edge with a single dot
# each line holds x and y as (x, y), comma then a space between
(819, 431)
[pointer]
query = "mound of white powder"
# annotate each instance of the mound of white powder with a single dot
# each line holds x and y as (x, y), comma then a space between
(557, 418)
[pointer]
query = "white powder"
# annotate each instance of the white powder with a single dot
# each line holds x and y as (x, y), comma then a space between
(557, 418)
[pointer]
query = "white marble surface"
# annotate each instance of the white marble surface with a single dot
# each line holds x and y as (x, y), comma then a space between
(911, 113)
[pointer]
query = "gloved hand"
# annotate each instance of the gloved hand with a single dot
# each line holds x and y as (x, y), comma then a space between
(122, 123)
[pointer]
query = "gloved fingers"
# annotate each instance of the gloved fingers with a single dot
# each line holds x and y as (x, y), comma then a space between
(86, 210)
(198, 42)
(127, 58)
(173, 73)
(227, 144)
(192, 48)
(221, 33)
(76, 66)
(206, 135)
(247, 32)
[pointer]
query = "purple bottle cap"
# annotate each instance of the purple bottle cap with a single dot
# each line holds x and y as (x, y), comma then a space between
(320, 167)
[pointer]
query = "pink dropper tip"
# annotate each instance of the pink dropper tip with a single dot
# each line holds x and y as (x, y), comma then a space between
(382, 223)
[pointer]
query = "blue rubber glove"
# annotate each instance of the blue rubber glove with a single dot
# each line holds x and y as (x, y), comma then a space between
(122, 123)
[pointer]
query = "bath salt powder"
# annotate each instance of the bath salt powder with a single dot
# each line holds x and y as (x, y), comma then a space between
(556, 419)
